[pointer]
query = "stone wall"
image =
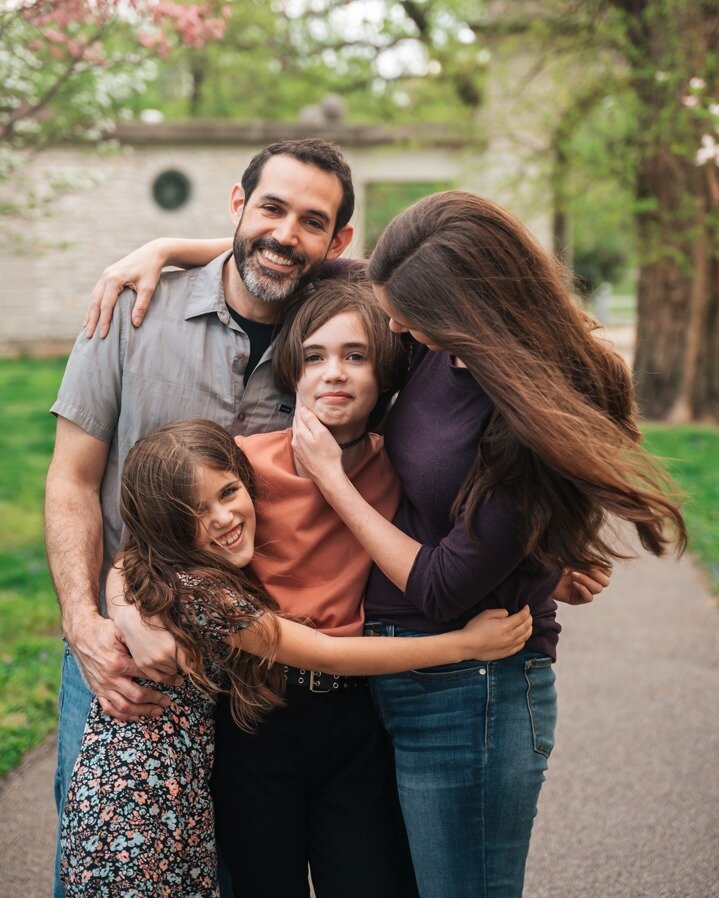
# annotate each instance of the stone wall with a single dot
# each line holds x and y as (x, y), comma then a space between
(44, 290)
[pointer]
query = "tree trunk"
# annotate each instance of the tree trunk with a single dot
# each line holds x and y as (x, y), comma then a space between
(677, 355)
(198, 74)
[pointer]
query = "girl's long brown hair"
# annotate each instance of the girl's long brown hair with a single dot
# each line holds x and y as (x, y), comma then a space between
(563, 438)
(158, 503)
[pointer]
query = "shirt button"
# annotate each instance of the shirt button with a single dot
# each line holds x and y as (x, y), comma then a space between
(483, 670)
(241, 416)
(224, 317)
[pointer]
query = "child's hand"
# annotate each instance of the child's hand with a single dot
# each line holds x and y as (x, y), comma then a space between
(497, 634)
(153, 649)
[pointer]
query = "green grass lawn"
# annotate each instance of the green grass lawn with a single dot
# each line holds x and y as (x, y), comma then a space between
(690, 454)
(30, 645)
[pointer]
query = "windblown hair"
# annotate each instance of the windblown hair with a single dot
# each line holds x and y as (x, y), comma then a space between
(310, 151)
(319, 304)
(563, 439)
(158, 502)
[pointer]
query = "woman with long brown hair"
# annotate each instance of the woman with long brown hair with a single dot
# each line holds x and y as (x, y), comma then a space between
(516, 442)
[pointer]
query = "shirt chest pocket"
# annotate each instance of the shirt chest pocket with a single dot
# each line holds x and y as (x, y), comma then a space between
(179, 393)
(264, 415)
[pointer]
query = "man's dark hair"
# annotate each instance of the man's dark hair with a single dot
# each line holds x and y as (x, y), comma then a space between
(310, 151)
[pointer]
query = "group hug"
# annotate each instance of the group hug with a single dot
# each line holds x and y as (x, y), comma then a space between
(308, 520)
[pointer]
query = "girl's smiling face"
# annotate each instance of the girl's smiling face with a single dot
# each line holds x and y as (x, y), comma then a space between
(338, 381)
(226, 516)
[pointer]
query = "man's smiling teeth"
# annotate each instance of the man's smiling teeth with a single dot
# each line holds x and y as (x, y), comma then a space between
(275, 259)
(229, 539)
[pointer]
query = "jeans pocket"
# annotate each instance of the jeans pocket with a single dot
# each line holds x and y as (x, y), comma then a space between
(446, 672)
(541, 702)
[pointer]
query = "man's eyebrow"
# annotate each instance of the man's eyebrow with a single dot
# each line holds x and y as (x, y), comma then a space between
(316, 213)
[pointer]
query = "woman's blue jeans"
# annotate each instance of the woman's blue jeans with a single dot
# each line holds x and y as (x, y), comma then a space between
(471, 744)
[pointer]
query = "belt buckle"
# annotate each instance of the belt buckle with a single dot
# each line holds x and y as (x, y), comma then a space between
(316, 674)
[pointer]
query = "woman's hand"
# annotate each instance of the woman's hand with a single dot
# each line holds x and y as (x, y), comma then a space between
(576, 588)
(141, 270)
(318, 455)
(314, 447)
(497, 634)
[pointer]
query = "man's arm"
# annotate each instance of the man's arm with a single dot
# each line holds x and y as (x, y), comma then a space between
(73, 534)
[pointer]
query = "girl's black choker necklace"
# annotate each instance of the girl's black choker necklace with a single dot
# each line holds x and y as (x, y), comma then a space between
(350, 443)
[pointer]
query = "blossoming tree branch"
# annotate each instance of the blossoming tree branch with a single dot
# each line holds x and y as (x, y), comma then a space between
(69, 66)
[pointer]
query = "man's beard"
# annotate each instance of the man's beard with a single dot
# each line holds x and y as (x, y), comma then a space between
(263, 283)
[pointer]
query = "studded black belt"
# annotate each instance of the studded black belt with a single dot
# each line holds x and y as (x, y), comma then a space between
(319, 682)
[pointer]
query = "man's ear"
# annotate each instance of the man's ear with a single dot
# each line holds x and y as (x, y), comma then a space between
(339, 242)
(237, 204)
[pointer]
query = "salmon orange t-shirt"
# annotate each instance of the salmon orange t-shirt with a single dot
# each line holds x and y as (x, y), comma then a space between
(305, 556)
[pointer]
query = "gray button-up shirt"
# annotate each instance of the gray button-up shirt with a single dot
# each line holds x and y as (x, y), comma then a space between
(187, 360)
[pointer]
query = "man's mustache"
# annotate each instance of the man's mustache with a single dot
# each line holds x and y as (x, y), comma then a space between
(278, 249)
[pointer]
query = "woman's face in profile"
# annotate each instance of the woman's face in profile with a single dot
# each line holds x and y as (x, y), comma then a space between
(338, 381)
(397, 325)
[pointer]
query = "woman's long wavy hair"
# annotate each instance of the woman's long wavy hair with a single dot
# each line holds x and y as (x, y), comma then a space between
(563, 438)
(158, 502)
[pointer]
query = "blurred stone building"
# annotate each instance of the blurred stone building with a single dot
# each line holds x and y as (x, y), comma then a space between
(174, 178)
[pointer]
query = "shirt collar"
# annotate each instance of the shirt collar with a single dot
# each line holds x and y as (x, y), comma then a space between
(207, 294)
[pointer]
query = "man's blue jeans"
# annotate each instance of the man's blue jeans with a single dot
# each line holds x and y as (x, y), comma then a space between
(73, 707)
(471, 744)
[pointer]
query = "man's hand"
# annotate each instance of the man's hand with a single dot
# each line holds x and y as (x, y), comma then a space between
(109, 670)
(576, 588)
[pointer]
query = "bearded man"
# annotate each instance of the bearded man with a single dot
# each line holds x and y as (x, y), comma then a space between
(204, 351)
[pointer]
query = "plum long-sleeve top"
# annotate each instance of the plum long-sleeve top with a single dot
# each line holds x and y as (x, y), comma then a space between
(431, 437)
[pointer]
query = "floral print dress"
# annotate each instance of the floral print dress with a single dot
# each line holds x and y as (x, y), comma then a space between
(138, 818)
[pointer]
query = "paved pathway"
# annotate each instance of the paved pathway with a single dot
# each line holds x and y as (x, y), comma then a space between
(630, 808)
(631, 804)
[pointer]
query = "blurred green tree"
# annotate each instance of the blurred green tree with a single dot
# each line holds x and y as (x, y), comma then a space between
(392, 61)
(671, 50)
(659, 60)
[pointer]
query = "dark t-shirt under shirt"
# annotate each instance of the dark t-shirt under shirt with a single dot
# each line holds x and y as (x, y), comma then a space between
(431, 437)
(260, 336)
